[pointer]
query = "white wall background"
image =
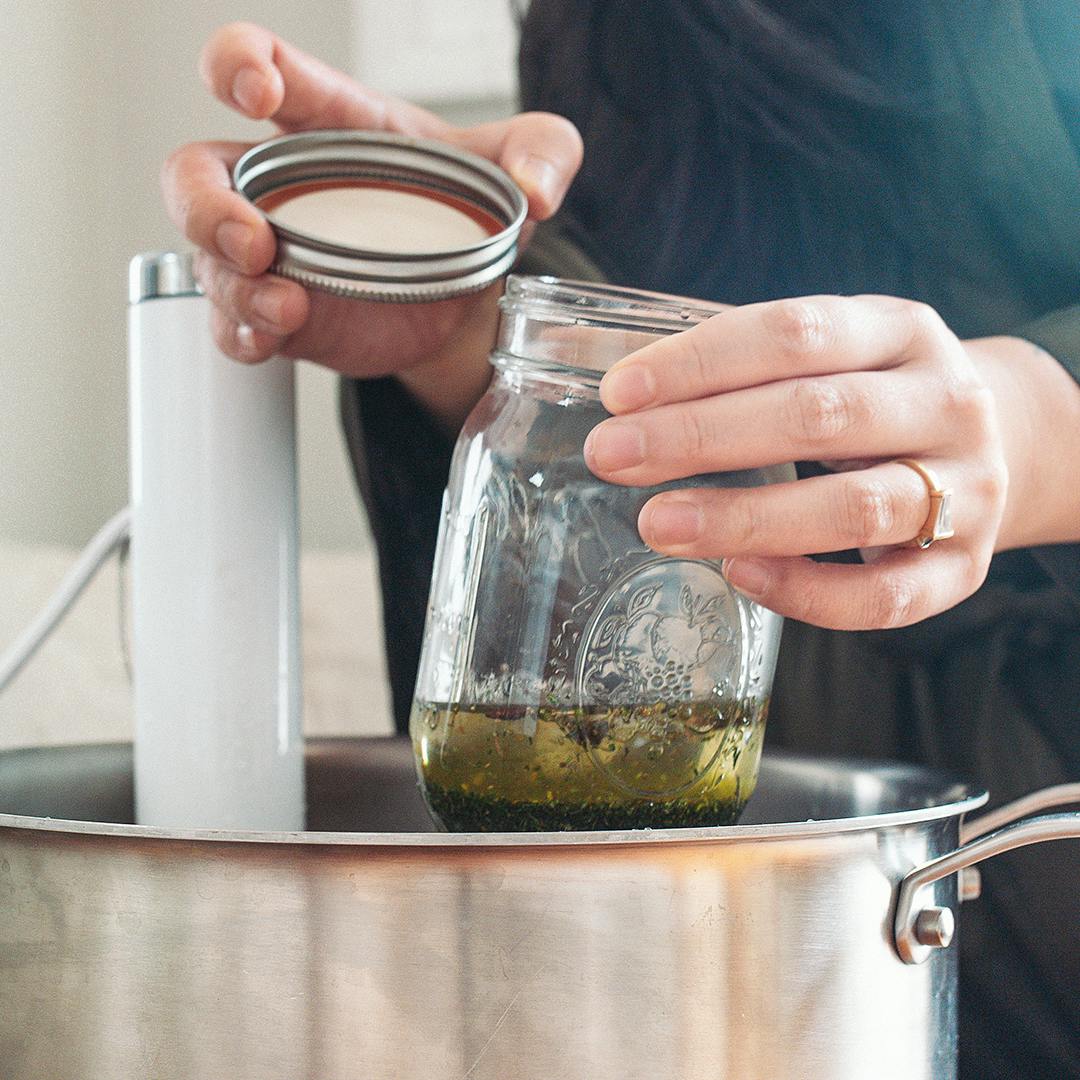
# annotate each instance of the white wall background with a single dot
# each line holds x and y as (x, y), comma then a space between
(95, 95)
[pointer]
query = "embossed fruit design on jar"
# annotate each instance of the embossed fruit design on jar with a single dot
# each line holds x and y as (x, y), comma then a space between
(570, 677)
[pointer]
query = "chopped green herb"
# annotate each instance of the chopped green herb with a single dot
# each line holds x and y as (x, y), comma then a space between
(655, 765)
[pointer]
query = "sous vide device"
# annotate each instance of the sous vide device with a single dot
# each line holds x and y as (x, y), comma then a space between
(214, 547)
(375, 216)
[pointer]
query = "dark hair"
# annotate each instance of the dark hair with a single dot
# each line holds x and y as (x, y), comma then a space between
(745, 149)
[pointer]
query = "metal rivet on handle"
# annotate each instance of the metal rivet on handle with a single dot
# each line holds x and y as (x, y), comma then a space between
(934, 927)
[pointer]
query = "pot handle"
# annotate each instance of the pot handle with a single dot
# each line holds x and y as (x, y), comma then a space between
(1036, 802)
(918, 930)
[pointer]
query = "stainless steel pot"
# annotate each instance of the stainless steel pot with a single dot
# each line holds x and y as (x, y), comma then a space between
(811, 941)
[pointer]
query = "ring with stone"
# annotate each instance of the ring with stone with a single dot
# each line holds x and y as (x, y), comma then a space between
(938, 524)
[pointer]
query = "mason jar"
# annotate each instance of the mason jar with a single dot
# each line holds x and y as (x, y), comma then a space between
(571, 677)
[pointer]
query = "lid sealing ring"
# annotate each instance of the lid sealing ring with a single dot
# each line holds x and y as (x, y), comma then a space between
(357, 225)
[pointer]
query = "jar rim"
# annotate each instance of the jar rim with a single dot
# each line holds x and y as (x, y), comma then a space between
(614, 306)
(609, 322)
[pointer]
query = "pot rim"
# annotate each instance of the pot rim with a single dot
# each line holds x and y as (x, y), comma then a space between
(967, 798)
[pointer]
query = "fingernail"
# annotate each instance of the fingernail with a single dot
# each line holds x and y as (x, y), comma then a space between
(248, 88)
(747, 575)
(266, 303)
(538, 177)
(612, 447)
(245, 338)
(233, 239)
(625, 389)
(670, 521)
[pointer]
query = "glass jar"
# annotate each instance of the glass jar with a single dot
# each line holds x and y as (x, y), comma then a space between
(572, 678)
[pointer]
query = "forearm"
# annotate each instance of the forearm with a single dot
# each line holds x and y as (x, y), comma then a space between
(1038, 407)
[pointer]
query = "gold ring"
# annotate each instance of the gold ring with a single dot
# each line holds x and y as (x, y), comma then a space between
(938, 524)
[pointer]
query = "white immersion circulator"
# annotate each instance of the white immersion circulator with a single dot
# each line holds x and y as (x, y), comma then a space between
(218, 741)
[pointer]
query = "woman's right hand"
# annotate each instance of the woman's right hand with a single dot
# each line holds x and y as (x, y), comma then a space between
(438, 349)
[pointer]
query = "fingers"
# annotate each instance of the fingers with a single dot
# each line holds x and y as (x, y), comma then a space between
(253, 311)
(875, 507)
(267, 304)
(198, 192)
(843, 380)
(541, 151)
(901, 587)
(264, 77)
(861, 414)
(251, 69)
(239, 67)
(760, 343)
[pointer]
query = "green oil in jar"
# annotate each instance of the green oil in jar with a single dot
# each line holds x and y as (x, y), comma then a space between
(521, 768)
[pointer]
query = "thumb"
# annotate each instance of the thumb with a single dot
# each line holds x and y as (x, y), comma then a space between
(541, 151)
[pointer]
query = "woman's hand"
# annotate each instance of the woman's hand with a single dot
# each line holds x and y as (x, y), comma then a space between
(856, 383)
(438, 349)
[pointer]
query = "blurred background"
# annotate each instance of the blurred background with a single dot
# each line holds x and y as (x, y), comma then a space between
(95, 96)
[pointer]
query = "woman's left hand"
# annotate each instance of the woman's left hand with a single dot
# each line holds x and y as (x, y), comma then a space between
(855, 382)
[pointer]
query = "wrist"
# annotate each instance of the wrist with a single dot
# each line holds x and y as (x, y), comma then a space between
(1038, 408)
(450, 382)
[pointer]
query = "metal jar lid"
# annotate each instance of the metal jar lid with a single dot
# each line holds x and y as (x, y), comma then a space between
(420, 166)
